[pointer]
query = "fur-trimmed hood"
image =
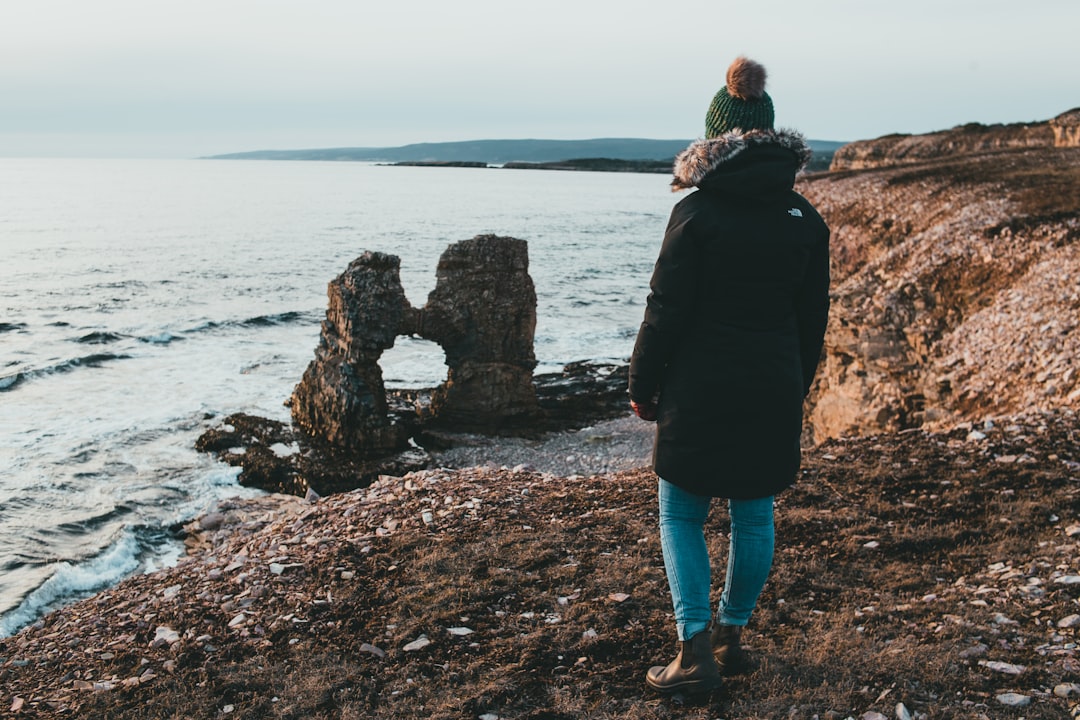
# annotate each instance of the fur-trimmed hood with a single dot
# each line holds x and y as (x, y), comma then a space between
(703, 157)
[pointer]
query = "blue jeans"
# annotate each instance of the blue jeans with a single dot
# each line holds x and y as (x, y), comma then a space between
(686, 558)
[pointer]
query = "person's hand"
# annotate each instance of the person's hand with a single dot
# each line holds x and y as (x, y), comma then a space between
(644, 410)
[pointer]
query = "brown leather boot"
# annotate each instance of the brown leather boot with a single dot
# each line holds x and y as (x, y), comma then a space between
(693, 670)
(729, 653)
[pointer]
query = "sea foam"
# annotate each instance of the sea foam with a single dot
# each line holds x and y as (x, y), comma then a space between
(105, 569)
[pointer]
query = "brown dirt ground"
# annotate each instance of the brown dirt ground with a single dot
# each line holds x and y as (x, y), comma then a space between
(909, 567)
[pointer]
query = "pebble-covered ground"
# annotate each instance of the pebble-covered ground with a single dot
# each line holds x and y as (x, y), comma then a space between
(620, 444)
(917, 575)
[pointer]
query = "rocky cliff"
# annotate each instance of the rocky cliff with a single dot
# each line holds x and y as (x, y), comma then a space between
(955, 284)
(892, 150)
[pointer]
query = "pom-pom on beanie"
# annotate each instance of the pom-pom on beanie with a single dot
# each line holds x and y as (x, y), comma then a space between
(742, 103)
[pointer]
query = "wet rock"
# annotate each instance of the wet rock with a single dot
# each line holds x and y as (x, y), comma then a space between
(263, 469)
(246, 441)
(583, 392)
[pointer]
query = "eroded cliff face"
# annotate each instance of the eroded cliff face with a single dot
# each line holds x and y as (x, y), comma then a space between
(1066, 127)
(956, 291)
(893, 150)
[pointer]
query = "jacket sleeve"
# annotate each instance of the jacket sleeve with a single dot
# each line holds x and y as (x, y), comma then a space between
(812, 309)
(668, 308)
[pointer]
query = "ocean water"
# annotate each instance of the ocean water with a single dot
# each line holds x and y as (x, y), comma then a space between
(141, 300)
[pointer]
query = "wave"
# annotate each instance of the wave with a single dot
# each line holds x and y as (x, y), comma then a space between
(205, 327)
(284, 318)
(120, 285)
(100, 338)
(9, 382)
(162, 338)
(278, 319)
(81, 527)
(88, 361)
(165, 337)
(73, 580)
(11, 327)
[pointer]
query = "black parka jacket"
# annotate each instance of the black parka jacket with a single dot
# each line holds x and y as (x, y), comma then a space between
(735, 319)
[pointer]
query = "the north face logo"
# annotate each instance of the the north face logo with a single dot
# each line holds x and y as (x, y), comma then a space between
(795, 212)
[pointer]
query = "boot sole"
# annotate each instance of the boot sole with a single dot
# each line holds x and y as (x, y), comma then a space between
(691, 687)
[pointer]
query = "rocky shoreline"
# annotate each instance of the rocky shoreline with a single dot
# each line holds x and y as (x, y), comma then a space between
(938, 572)
(277, 457)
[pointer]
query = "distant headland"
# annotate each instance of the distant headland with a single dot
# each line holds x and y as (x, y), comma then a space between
(601, 154)
(580, 165)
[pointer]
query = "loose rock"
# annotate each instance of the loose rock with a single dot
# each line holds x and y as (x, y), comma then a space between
(1014, 699)
(418, 644)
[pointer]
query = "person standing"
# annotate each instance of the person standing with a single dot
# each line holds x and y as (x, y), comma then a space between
(733, 329)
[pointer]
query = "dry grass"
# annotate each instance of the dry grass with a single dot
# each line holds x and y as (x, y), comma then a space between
(1044, 183)
(843, 628)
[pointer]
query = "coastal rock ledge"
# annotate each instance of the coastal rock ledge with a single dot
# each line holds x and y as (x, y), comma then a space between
(348, 429)
(1062, 131)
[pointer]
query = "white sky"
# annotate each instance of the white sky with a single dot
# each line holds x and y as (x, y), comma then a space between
(180, 79)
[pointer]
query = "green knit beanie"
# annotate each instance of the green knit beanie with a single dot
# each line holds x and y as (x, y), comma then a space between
(742, 103)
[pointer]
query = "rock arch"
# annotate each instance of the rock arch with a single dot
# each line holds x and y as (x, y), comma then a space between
(482, 312)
